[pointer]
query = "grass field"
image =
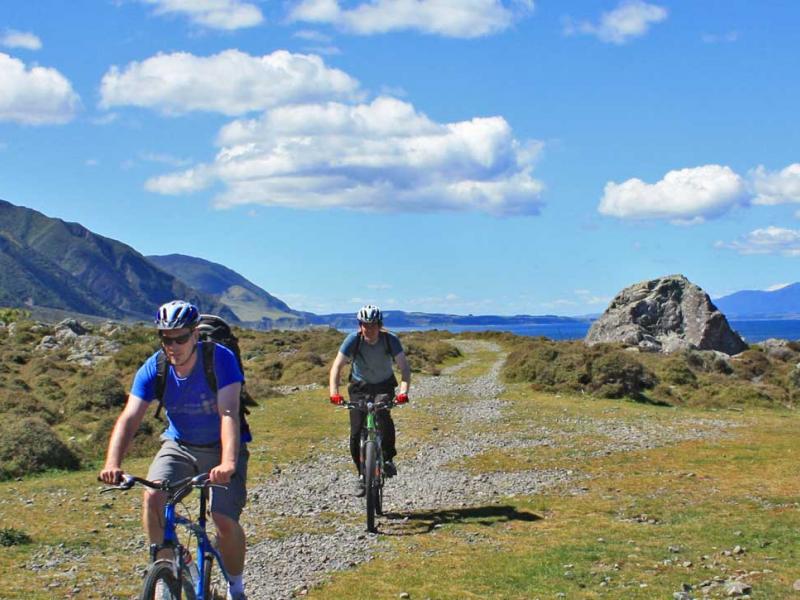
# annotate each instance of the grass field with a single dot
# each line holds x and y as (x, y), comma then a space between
(637, 524)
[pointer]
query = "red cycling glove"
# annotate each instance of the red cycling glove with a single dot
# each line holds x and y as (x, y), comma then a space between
(337, 399)
(401, 399)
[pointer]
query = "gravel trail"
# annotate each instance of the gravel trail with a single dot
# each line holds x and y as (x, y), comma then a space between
(308, 493)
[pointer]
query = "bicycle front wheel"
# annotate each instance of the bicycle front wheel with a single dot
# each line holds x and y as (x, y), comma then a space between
(371, 482)
(160, 583)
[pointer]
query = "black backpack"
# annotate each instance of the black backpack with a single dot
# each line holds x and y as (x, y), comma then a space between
(213, 329)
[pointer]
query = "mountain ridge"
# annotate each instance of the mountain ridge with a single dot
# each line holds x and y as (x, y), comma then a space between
(783, 303)
(58, 264)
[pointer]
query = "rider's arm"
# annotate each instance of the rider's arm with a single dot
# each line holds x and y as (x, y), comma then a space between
(336, 371)
(405, 372)
(228, 406)
(124, 429)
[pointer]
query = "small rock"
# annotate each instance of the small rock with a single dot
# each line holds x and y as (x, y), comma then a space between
(737, 588)
(404, 595)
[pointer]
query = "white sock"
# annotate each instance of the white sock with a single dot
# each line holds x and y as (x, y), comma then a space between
(236, 584)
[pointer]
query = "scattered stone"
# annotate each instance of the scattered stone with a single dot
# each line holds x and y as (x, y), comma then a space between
(737, 588)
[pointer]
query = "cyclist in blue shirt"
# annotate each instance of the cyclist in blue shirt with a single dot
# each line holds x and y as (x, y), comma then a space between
(203, 433)
(372, 351)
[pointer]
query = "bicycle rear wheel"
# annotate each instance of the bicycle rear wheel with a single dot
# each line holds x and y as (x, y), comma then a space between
(160, 583)
(370, 482)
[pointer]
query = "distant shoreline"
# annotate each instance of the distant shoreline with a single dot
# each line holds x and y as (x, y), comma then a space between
(751, 330)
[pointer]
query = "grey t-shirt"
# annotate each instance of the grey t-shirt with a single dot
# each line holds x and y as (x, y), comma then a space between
(372, 363)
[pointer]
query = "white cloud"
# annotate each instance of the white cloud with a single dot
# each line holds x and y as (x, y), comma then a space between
(36, 95)
(451, 18)
(769, 240)
(214, 14)
(630, 19)
(231, 82)
(11, 38)
(165, 159)
(779, 187)
(379, 286)
(683, 196)
(92, 162)
(382, 156)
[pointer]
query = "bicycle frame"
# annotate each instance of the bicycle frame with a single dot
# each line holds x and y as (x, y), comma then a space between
(205, 549)
(204, 545)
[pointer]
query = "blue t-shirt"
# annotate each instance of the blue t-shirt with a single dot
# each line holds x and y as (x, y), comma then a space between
(372, 364)
(190, 404)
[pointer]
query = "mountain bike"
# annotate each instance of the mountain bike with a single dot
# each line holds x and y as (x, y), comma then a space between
(181, 579)
(371, 455)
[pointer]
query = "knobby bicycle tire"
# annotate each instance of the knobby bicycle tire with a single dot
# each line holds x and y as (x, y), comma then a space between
(379, 498)
(370, 474)
(161, 570)
(210, 591)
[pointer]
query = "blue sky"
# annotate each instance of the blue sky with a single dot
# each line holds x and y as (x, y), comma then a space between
(464, 156)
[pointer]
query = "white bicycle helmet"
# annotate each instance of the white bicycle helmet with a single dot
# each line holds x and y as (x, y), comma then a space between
(177, 315)
(369, 314)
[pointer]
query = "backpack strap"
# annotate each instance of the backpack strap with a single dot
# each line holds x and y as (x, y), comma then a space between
(161, 381)
(387, 346)
(356, 350)
(208, 364)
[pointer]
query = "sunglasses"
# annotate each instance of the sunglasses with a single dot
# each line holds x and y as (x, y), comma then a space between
(178, 339)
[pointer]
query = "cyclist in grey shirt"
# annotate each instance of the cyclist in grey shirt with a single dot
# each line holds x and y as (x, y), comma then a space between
(372, 350)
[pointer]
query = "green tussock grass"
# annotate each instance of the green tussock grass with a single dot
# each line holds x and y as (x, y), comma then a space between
(606, 534)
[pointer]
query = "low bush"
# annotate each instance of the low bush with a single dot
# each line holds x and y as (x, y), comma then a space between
(97, 392)
(13, 537)
(29, 445)
(617, 374)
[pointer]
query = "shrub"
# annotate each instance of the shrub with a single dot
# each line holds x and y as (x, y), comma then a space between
(13, 537)
(29, 445)
(751, 364)
(131, 356)
(618, 374)
(97, 392)
(11, 315)
(676, 371)
(425, 354)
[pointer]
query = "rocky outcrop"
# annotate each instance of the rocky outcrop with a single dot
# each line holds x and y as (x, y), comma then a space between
(83, 347)
(665, 315)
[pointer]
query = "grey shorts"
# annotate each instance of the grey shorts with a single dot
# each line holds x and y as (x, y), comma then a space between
(176, 461)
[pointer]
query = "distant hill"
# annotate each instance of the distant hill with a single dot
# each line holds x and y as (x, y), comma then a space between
(250, 303)
(754, 304)
(47, 262)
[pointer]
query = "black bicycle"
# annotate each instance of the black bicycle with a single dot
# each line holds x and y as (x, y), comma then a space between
(371, 456)
(178, 577)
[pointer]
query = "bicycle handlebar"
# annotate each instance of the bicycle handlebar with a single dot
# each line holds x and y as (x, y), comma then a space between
(174, 488)
(375, 405)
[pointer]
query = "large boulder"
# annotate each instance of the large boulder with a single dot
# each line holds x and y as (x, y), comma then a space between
(665, 315)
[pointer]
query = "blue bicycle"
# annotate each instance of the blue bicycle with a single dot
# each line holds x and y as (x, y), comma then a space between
(178, 577)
